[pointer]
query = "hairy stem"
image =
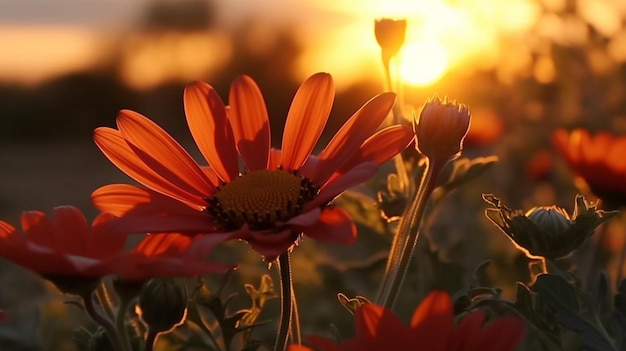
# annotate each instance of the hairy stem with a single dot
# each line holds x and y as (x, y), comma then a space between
(408, 232)
(286, 302)
(95, 314)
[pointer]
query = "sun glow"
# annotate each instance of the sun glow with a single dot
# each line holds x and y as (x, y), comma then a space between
(423, 62)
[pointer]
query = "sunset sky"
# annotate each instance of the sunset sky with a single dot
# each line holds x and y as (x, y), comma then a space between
(338, 36)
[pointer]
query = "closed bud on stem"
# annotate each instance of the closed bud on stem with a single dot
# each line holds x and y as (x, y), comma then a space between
(441, 128)
(548, 232)
(390, 35)
(163, 304)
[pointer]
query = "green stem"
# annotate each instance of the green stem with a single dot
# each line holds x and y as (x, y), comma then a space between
(296, 334)
(106, 323)
(409, 232)
(286, 302)
(399, 240)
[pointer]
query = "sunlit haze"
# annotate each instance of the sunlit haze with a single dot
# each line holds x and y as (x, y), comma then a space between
(337, 37)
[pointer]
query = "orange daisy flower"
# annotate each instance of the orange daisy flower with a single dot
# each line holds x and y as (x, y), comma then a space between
(66, 246)
(432, 328)
(277, 194)
(598, 160)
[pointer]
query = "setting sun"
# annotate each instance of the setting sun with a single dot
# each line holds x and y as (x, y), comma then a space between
(423, 62)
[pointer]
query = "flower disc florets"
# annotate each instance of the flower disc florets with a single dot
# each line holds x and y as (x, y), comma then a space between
(261, 198)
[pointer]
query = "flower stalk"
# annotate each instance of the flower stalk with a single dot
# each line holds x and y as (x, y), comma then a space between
(406, 237)
(286, 302)
(439, 133)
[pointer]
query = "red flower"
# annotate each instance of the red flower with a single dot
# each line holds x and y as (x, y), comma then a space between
(277, 196)
(598, 160)
(432, 328)
(65, 246)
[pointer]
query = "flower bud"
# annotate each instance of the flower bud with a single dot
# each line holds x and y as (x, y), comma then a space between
(548, 232)
(390, 35)
(163, 304)
(552, 220)
(441, 128)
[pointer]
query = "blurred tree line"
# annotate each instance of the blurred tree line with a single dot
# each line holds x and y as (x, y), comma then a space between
(71, 106)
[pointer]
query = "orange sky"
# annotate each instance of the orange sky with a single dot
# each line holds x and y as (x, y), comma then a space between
(338, 36)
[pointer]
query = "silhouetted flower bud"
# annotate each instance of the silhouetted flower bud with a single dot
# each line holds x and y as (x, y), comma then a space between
(163, 304)
(390, 35)
(548, 232)
(441, 128)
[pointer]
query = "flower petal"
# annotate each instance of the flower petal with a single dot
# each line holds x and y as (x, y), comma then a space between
(250, 123)
(340, 182)
(505, 333)
(334, 226)
(381, 147)
(379, 325)
(206, 117)
(159, 151)
(118, 151)
(467, 333)
(434, 319)
(172, 244)
(103, 241)
(276, 159)
(71, 230)
(270, 244)
(11, 241)
(38, 229)
(143, 211)
(352, 134)
(307, 118)
(202, 245)
(119, 199)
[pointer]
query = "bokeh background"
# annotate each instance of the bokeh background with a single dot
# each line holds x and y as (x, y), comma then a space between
(525, 68)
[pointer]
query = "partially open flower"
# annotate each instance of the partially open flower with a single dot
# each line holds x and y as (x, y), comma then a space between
(548, 232)
(441, 128)
(390, 35)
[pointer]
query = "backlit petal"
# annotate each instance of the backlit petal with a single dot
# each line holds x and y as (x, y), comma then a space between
(307, 118)
(334, 226)
(434, 319)
(164, 244)
(378, 325)
(206, 117)
(38, 228)
(103, 241)
(119, 199)
(276, 159)
(71, 229)
(117, 150)
(339, 183)
(160, 152)
(381, 147)
(352, 134)
(250, 123)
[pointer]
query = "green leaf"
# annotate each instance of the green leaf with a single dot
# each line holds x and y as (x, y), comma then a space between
(563, 299)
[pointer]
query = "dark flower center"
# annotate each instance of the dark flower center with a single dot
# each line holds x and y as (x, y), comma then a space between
(261, 198)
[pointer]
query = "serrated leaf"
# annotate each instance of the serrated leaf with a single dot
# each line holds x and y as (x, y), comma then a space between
(563, 299)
